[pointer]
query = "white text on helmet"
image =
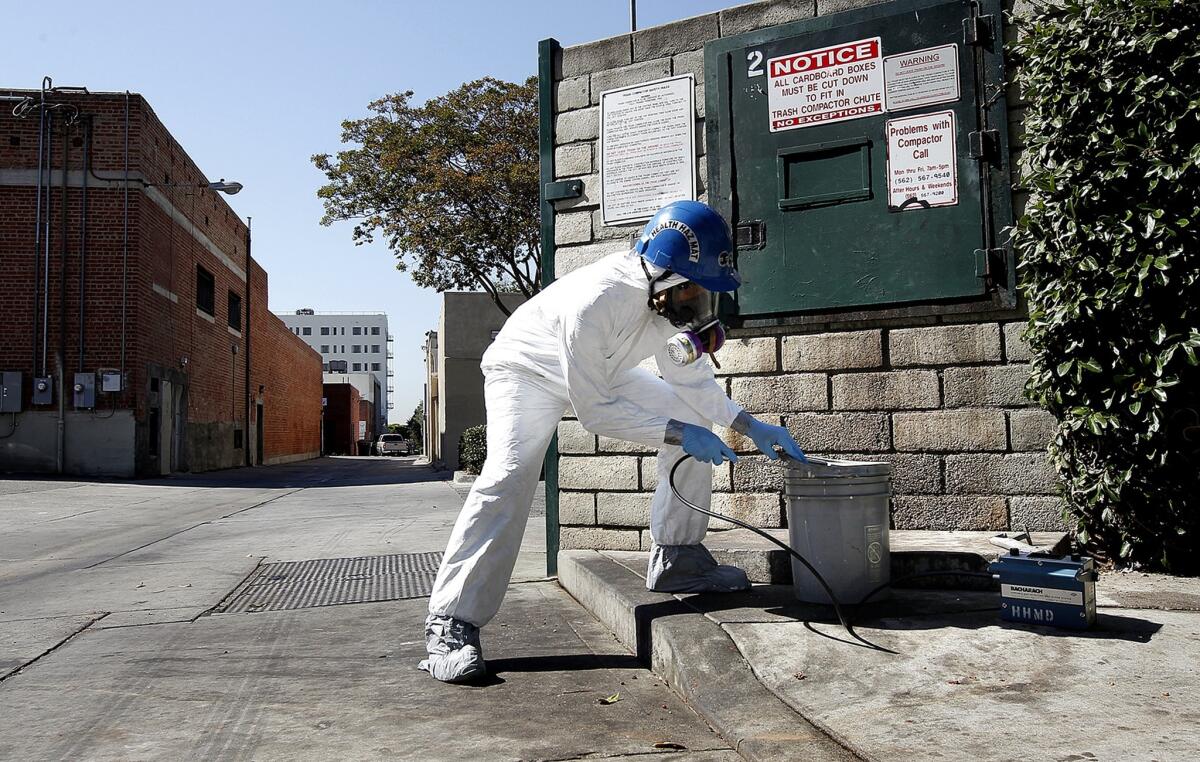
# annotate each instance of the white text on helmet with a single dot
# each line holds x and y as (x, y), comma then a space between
(693, 244)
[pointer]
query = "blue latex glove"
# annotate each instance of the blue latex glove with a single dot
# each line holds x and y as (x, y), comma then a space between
(704, 445)
(767, 437)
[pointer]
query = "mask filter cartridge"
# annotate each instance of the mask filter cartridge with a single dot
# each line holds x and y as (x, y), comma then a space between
(686, 347)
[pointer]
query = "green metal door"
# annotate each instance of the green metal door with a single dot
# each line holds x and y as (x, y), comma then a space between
(851, 154)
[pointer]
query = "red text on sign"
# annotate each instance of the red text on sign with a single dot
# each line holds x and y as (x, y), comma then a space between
(819, 59)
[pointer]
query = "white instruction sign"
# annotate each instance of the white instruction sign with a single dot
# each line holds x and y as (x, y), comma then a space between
(921, 77)
(647, 148)
(826, 85)
(922, 167)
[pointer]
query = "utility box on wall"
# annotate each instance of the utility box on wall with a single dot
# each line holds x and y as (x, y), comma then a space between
(10, 392)
(862, 159)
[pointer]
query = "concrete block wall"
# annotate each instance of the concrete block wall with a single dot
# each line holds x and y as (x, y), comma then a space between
(940, 397)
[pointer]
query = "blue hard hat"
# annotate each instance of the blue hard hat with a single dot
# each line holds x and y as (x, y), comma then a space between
(691, 239)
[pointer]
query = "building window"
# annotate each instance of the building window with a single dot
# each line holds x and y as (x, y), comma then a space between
(325, 367)
(337, 366)
(355, 347)
(237, 439)
(375, 348)
(324, 330)
(374, 330)
(235, 311)
(307, 331)
(343, 331)
(358, 366)
(324, 349)
(375, 366)
(205, 291)
(357, 331)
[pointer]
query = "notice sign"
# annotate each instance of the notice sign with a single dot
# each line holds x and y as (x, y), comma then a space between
(922, 167)
(826, 85)
(647, 148)
(921, 78)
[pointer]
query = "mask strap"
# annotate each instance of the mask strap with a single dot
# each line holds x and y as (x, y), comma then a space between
(653, 282)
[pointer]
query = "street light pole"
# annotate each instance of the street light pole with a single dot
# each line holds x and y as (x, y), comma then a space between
(249, 278)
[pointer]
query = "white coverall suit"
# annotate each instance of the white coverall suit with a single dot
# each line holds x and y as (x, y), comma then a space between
(577, 344)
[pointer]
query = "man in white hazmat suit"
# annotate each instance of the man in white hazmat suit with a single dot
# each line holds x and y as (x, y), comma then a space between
(577, 345)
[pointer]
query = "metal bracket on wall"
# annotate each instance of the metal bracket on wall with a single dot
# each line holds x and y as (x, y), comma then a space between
(751, 235)
(984, 145)
(977, 30)
(563, 190)
(990, 264)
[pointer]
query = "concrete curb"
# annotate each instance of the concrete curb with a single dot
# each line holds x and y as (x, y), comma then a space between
(696, 658)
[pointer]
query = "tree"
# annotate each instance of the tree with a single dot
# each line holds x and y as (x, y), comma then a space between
(450, 185)
(398, 428)
(416, 424)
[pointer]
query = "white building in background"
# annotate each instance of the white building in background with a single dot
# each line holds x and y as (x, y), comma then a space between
(349, 342)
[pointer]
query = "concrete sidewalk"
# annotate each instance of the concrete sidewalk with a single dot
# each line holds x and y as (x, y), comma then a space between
(935, 674)
(112, 646)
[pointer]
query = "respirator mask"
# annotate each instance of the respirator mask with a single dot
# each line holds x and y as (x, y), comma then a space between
(694, 309)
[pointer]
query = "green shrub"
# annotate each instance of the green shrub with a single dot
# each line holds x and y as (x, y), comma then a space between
(1110, 261)
(472, 449)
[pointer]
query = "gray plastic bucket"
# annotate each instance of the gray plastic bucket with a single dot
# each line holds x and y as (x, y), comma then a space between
(837, 512)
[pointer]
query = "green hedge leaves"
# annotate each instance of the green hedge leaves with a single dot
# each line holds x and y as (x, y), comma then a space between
(472, 449)
(1109, 246)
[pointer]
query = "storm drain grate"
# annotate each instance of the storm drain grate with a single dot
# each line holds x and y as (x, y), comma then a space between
(334, 581)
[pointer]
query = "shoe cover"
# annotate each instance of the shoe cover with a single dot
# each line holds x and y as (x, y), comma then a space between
(691, 569)
(455, 654)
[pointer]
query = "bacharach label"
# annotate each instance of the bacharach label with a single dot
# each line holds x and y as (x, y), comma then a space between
(1046, 594)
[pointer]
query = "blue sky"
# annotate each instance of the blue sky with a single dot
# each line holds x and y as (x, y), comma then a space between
(253, 89)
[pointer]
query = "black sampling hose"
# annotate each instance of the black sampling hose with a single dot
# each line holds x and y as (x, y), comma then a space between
(837, 607)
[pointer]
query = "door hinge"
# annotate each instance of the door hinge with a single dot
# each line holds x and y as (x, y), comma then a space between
(751, 235)
(984, 145)
(990, 264)
(563, 190)
(977, 30)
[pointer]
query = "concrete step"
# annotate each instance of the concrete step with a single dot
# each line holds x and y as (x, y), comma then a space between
(694, 655)
(912, 552)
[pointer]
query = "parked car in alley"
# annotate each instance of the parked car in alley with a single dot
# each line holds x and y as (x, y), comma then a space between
(391, 444)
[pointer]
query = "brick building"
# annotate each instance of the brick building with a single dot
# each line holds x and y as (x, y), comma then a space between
(131, 296)
(935, 389)
(367, 420)
(344, 413)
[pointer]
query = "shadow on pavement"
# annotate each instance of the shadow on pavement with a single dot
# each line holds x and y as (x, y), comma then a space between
(908, 610)
(563, 663)
(329, 471)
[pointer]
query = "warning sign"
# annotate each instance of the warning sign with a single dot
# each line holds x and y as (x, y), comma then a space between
(921, 77)
(921, 157)
(826, 85)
